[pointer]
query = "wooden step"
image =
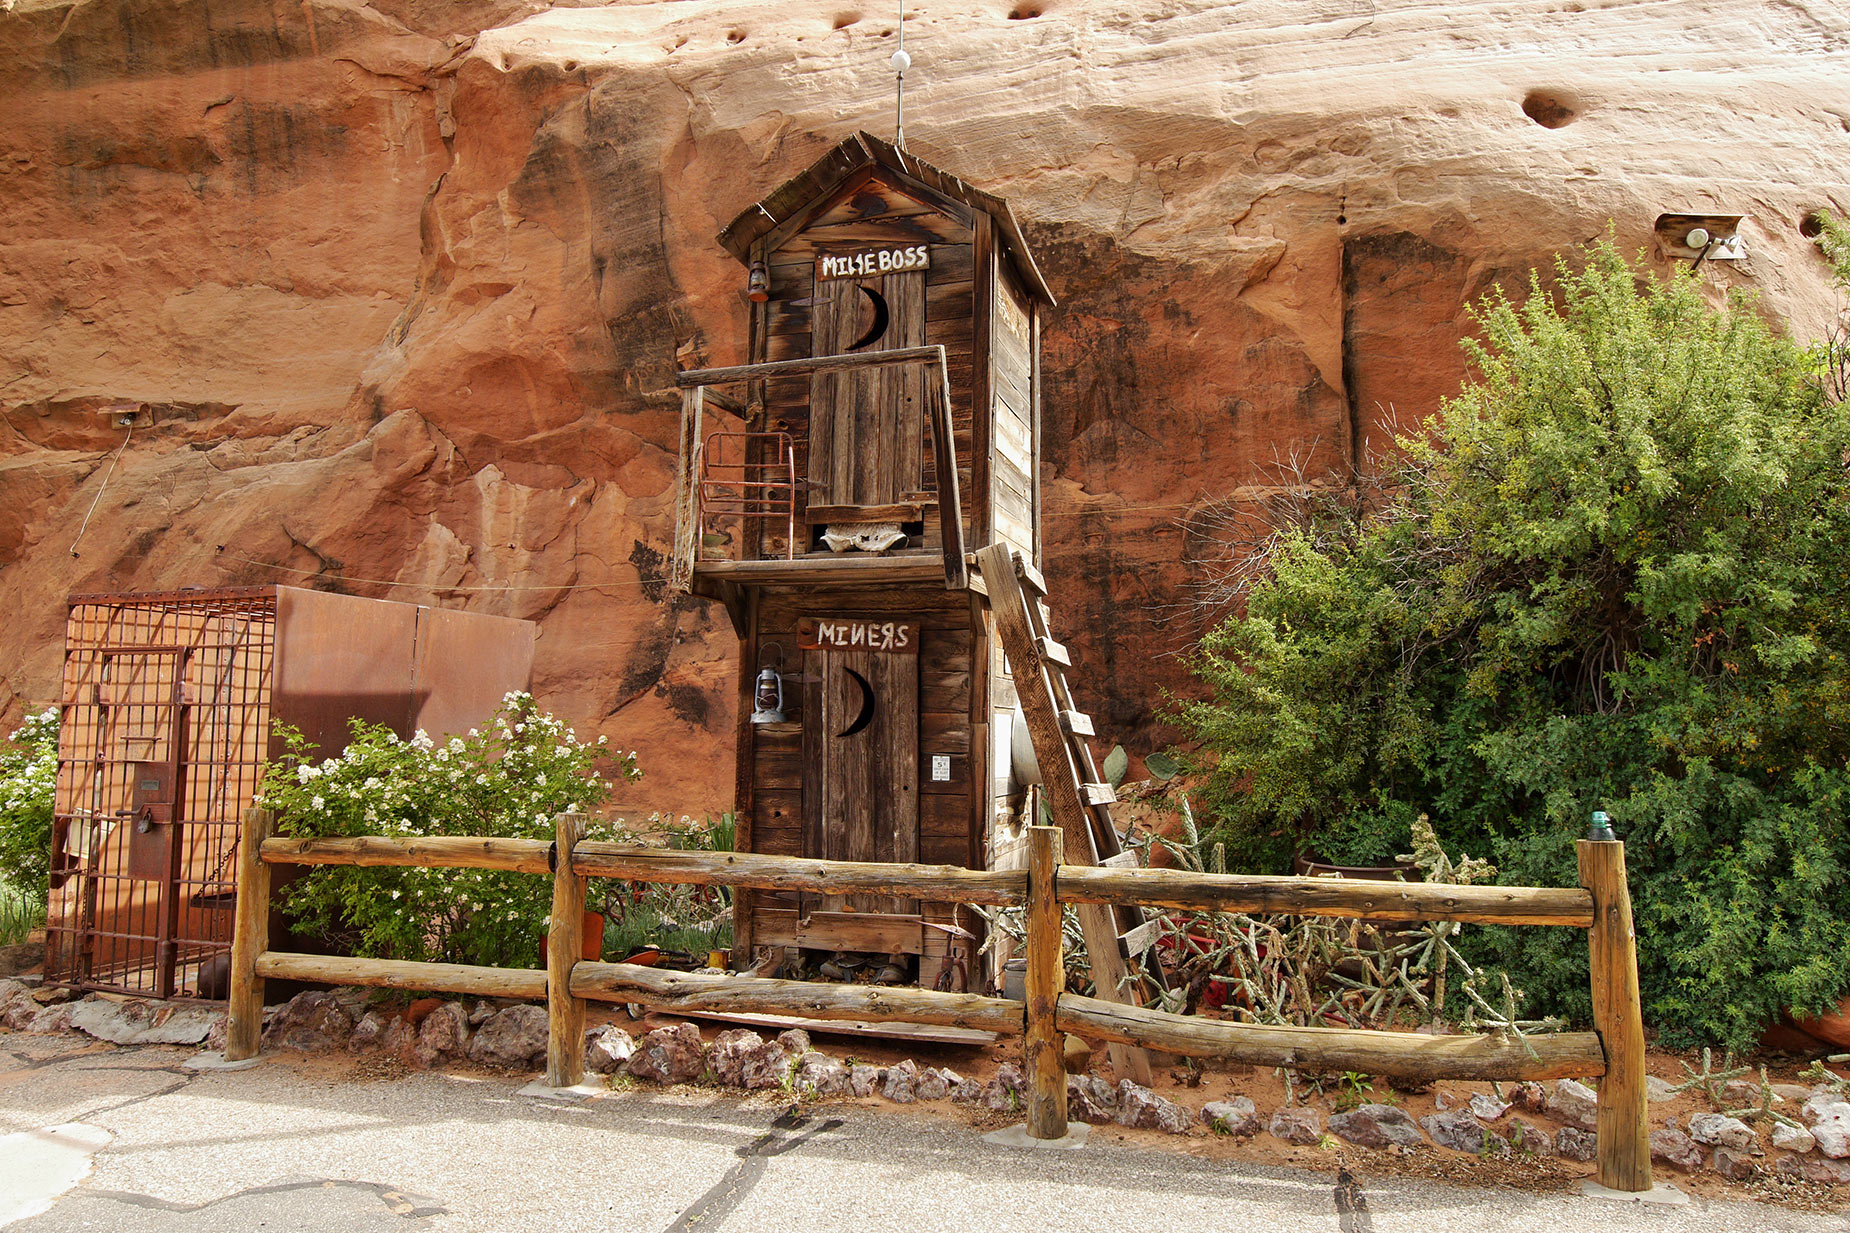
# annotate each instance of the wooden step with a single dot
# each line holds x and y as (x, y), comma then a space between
(1140, 939)
(1053, 652)
(1126, 859)
(1076, 723)
(1092, 793)
(1030, 577)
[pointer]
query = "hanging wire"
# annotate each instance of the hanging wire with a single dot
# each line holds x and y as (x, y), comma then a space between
(901, 62)
(117, 457)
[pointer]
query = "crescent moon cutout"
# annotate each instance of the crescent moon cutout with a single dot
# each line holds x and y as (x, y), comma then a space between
(867, 705)
(881, 318)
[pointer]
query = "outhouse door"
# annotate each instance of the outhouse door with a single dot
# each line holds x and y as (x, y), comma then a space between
(861, 743)
(866, 426)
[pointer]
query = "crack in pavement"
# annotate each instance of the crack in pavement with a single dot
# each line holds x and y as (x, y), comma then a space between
(1352, 1205)
(412, 1207)
(726, 1194)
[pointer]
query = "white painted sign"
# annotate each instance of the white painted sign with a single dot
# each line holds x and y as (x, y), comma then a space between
(892, 637)
(941, 768)
(870, 261)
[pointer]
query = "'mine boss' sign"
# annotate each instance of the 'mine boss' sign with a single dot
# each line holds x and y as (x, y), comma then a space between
(882, 260)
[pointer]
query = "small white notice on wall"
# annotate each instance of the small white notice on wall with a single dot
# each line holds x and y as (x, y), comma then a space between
(941, 768)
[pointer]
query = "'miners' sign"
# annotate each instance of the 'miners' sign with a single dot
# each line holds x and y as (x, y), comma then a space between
(891, 637)
(870, 261)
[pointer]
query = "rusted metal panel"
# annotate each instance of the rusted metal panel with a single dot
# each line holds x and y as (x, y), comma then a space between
(341, 657)
(466, 662)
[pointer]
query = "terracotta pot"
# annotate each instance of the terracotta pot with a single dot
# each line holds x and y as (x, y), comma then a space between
(1832, 1029)
(592, 947)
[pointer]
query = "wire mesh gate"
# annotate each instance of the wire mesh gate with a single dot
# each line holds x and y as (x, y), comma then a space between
(165, 731)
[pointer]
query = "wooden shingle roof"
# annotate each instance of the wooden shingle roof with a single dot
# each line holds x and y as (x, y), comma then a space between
(865, 150)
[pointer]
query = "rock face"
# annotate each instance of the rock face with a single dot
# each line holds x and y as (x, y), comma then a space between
(1237, 1117)
(513, 1039)
(399, 287)
(1377, 1126)
(670, 1055)
(1295, 1124)
(309, 1021)
(1575, 1104)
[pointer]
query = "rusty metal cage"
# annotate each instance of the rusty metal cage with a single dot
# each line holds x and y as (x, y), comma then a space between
(165, 731)
(168, 703)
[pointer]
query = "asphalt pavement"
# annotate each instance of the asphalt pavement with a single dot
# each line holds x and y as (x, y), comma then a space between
(129, 1139)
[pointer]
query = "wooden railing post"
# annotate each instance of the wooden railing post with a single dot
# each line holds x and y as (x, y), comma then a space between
(1046, 1064)
(1624, 1132)
(250, 937)
(565, 1013)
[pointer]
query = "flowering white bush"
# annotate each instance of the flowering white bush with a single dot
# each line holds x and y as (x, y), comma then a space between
(509, 778)
(28, 783)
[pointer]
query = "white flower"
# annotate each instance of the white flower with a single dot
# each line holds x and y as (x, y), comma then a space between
(482, 779)
(305, 772)
(421, 740)
(318, 803)
(372, 784)
(456, 744)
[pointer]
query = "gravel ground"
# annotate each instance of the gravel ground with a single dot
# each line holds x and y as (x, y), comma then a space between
(305, 1143)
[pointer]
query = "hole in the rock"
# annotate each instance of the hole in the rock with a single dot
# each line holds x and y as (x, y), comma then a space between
(1548, 109)
(571, 66)
(1025, 12)
(844, 20)
(735, 36)
(1812, 225)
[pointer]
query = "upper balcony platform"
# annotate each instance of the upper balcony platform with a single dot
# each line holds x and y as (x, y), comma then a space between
(745, 513)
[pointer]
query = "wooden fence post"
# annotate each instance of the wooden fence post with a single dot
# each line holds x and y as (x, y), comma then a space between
(250, 937)
(1624, 1131)
(565, 1014)
(1046, 978)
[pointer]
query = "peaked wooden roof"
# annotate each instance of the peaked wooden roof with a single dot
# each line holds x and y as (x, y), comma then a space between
(863, 150)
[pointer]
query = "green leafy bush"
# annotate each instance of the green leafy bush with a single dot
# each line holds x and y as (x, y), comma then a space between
(1611, 576)
(28, 785)
(509, 778)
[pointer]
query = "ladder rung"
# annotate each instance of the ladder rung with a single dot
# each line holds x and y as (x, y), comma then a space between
(1051, 650)
(1076, 723)
(1126, 859)
(1098, 793)
(1030, 576)
(1141, 938)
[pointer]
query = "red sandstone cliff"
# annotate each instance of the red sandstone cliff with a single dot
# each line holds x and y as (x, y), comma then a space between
(402, 283)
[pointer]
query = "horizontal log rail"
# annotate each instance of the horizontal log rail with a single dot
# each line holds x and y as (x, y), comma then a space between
(1601, 905)
(1353, 897)
(1398, 1055)
(403, 974)
(694, 993)
(934, 883)
(430, 852)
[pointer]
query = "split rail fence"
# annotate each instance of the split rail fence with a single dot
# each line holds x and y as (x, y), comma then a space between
(1601, 904)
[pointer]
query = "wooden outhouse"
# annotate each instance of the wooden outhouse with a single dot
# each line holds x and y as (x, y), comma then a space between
(887, 423)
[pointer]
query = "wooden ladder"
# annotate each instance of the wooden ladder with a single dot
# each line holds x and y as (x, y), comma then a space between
(1078, 796)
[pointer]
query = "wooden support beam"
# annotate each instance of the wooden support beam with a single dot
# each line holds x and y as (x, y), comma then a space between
(933, 883)
(692, 992)
(687, 494)
(1400, 1055)
(1076, 723)
(1046, 976)
(250, 937)
(1624, 1129)
(565, 1011)
(944, 462)
(1354, 897)
(528, 984)
(431, 852)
